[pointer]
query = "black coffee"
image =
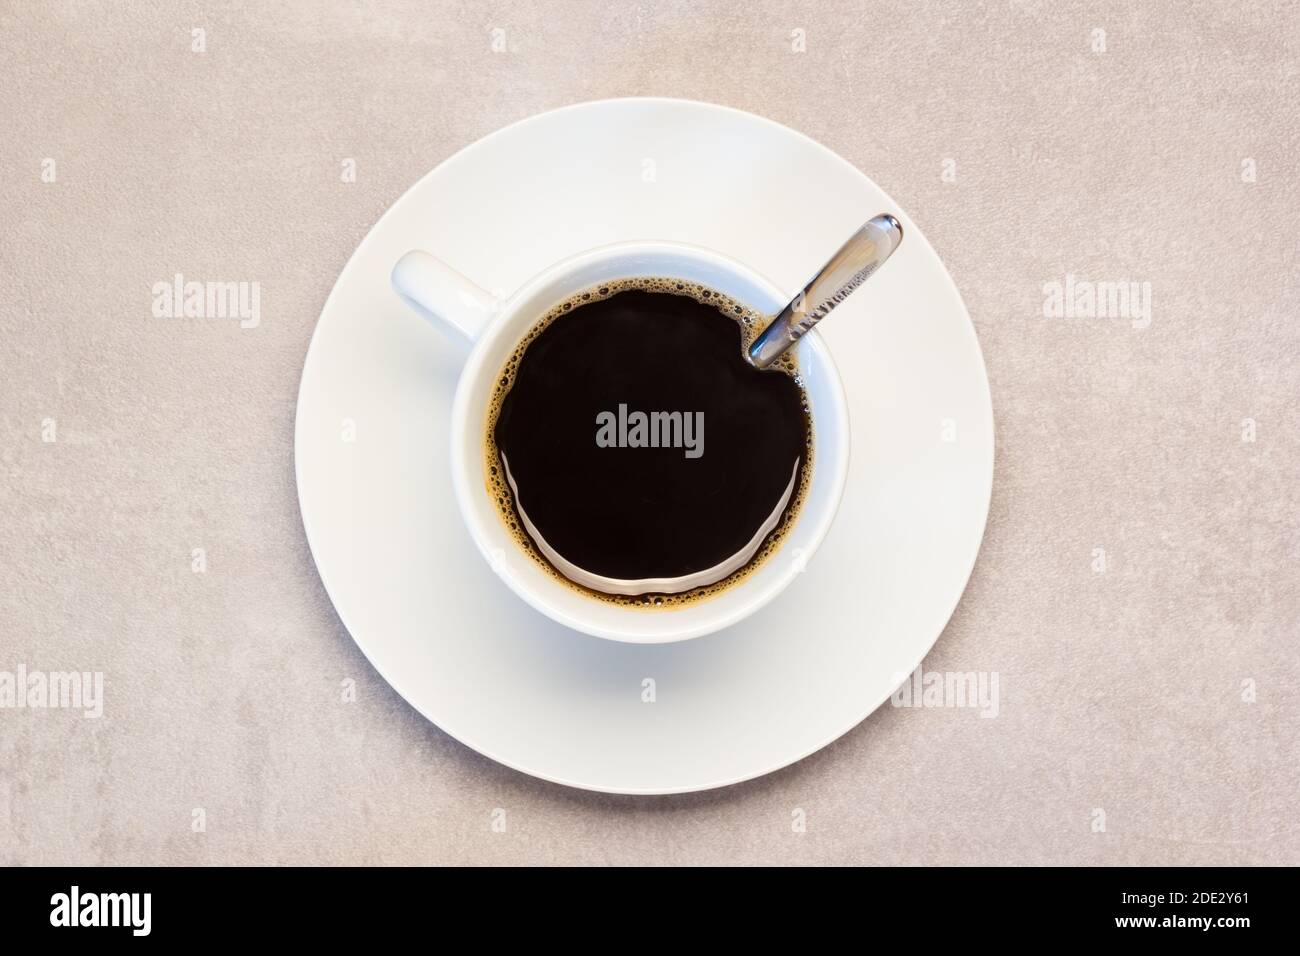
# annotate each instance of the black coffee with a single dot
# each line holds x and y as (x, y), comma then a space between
(637, 453)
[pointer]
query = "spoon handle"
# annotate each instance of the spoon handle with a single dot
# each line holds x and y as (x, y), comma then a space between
(864, 253)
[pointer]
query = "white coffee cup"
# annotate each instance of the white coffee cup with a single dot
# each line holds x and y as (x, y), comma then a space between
(497, 325)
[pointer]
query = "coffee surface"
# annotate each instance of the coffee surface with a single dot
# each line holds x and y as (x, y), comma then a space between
(637, 443)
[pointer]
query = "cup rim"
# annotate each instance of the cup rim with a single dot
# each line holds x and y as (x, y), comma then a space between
(833, 461)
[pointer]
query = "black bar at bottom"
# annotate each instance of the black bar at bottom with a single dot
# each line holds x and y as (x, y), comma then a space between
(212, 905)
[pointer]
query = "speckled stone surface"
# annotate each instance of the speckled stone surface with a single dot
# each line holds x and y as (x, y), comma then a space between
(1148, 694)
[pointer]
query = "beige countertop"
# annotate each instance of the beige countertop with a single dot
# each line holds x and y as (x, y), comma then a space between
(1148, 696)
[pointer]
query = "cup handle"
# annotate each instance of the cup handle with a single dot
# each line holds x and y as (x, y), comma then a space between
(442, 295)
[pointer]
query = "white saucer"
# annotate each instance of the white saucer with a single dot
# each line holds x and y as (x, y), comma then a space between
(436, 621)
